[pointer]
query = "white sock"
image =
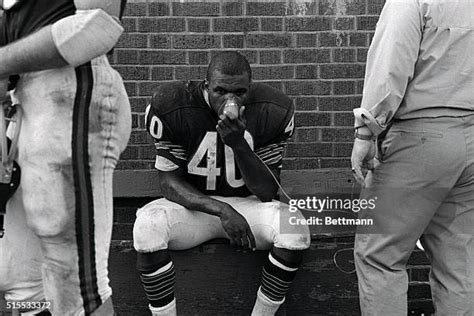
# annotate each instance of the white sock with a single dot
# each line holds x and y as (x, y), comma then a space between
(168, 310)
(264, 306)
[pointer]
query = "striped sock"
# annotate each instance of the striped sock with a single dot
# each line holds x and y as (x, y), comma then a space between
(277, 277)
(159, 285)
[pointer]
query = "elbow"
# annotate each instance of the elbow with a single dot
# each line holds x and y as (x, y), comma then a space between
(94, 30)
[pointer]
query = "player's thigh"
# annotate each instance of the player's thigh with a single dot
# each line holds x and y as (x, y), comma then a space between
(271, 223)
(162, 224)
(20, 256)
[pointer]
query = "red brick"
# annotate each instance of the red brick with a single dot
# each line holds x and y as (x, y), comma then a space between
(135, 9)
(343, 87)
(137, 105)
(312, 119)
(126, 56)
(232, 8)
(335, 163)
(344, 23)
(147, 152)
(332, 39)
(196, 41)
(131, 152)
(343, 119)
(132, 40)
(231, 24)
(190, 73)
(161, 25)
(277, 8)
(308, 149)
(420, 274)
(417, 258)
(147, 88)
(129, 24)
(271, 24)
(198, 57)
(331, 7)
(199, 25)
(135, 165)
(149, 57)
(270, 57)
(133, 73)
(308, 163)
(275, 84)
(375, 6)
(367, 23)
(268, 40)
(359, 86)
(158, 9)
(160, 41)
(307, 40)
(312, 134)
(358, 39)
(307, 72)
(196, 8)
(306, 103)
(139, 137)
(307, 87)
(233, 41)
(300, 56)
(343, 149)
(307, 24)
(131, 88)
(337, 134)
(251, 55)
(162, 73)
(419, 291)
(302, 8)
(288, 164)
(362, 55)
(334, 71)
(273, 72)
(344, 55)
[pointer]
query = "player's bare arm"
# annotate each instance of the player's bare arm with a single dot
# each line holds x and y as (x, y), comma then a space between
(255, 174)
(53, 46)
(175, 188)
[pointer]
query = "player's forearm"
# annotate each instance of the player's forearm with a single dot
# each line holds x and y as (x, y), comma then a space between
(32, 53)
(73, 40)
(179, 191)
(257, 177)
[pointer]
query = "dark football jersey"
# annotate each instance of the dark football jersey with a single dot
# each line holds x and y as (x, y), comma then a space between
(184, 128)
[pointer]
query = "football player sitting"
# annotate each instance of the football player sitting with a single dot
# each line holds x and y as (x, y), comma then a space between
(219, 153)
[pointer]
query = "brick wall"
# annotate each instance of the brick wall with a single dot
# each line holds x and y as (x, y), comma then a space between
(313, 50)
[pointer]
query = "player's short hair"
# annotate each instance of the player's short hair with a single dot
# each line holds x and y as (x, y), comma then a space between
(229, 63)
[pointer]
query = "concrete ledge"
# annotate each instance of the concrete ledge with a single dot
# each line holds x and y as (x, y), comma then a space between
(144, 183)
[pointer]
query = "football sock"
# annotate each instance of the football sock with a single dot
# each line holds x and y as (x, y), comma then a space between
(159, 285)
(277, 276)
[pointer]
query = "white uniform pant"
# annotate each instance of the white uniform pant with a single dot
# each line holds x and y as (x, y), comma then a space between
(163, 224)
(76, 122)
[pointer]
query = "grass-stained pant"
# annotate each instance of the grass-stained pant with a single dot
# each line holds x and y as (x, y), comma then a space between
(76, 122)
(163, 224)
(423, 185)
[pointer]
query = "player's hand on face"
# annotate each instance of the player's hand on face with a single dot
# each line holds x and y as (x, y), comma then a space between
(237, 228)
(232, 131)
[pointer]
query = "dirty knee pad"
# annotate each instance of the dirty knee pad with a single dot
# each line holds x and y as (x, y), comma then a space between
(151, 230)
(292, 235)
